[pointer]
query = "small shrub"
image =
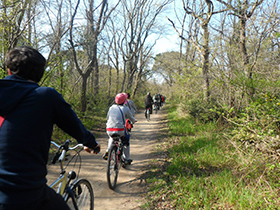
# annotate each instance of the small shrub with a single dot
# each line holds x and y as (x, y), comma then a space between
(201, 110)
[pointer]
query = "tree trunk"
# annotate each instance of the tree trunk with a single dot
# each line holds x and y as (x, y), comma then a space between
(96, 70)
(205, 61)
(83, 93)
(109, 77)
(245, 57)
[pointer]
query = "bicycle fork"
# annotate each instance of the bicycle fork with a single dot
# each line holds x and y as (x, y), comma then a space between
(118, 157)
(72, 196)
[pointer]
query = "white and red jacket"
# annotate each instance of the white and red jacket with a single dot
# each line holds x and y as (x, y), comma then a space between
(130, 104)
(116, 118)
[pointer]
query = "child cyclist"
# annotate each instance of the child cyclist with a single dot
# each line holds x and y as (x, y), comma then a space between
(130, 104)
(116, 118)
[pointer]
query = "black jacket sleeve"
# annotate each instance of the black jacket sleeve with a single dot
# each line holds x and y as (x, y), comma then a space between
(66, 119)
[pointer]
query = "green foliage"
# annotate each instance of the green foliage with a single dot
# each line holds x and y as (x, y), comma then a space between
(3, 73)
(257, 125)
(94, 120)
(201, 110)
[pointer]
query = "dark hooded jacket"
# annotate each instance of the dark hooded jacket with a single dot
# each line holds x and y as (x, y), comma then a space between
(30, 112)
(148, 100)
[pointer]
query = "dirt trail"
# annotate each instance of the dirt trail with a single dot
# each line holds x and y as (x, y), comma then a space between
(130, 187)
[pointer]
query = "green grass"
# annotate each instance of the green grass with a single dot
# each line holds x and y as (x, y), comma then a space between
(203, 170)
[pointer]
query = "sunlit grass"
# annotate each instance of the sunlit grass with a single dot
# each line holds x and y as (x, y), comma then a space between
(203, 171)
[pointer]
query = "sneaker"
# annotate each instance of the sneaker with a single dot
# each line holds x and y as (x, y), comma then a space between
(105, 156)
(128, 161)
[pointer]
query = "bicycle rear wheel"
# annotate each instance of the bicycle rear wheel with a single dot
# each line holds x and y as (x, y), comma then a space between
(112, 168)
(83, 195)
(148, 114)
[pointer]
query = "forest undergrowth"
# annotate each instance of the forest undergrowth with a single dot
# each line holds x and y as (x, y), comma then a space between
(198, 166)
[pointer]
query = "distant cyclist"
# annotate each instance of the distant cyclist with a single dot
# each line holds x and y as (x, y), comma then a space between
(131, 105)
(162, 100)
(148, 103)
(157, 101)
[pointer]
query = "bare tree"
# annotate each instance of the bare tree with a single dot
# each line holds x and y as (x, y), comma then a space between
(114, 52)
(55, 11)
(15, 18)
(138, 23)
(202, 16)
(201, 12)
(244, 11)
(143, 69)
(94, 27)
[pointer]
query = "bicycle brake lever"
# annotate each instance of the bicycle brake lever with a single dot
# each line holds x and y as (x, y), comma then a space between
(55, 158)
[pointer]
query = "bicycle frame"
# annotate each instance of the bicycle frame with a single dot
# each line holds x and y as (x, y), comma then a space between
(62, 182)
(62, 179)
(79, 190)
(117, 142)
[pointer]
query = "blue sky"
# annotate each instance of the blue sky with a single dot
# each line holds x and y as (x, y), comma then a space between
(170, 39)
(168, 43)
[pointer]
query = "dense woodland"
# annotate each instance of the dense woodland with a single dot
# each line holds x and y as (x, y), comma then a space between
(226, 67)
(222, 84)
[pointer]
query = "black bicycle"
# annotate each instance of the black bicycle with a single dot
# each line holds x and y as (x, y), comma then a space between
(148, 117)
(156, 107)
(115, 161)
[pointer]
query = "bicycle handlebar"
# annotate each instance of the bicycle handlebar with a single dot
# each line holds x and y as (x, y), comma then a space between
(67, 142)
(60, 155)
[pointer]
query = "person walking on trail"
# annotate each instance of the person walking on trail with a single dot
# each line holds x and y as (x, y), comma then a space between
(148, 103)
(28, 113)
(116, 118)
(131, 105)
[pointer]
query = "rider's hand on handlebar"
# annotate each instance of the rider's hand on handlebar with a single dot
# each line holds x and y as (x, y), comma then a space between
(96, 150)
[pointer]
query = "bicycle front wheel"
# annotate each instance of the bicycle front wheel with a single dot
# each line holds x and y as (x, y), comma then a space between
(83, 197)
(112, 168)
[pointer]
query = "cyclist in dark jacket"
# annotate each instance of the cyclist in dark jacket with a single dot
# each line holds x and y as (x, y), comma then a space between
(148, 103)
(28, 113)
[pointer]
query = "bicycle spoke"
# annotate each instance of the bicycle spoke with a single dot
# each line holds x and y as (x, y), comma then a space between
(83, 195)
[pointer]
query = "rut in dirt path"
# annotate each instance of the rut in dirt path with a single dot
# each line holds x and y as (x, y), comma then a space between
(130, 191)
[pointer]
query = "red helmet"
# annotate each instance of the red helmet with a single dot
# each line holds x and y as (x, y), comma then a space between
(120, 98)
(125, 95)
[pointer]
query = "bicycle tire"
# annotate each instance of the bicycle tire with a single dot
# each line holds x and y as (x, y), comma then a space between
(112, 168)
(83, 195)
(148, 114)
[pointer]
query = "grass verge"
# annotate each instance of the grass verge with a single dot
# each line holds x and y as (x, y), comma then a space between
(196, 167)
